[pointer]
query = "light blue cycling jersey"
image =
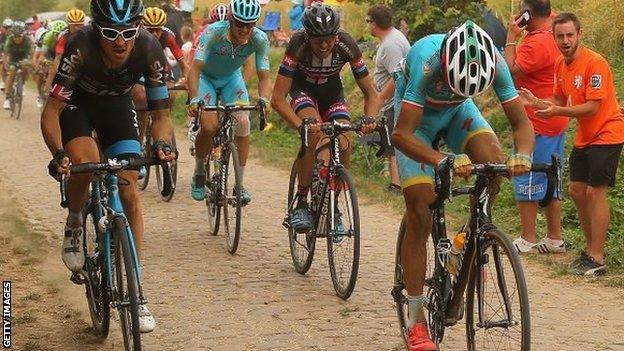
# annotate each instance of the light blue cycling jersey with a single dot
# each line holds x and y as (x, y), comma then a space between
(426, 85)
(222, 58)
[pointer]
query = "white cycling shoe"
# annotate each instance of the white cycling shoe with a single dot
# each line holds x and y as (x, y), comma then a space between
(72, 251)
(147, 323)
(7, 105)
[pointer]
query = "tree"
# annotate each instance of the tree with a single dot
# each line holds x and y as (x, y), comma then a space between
(23, 9)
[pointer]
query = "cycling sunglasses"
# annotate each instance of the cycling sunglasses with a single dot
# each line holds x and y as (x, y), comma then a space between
(240, 24)
(112, 34)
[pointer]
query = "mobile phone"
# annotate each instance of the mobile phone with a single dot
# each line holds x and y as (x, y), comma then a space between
(525, 17)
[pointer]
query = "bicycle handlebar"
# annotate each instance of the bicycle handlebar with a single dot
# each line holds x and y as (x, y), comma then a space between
(260, 107)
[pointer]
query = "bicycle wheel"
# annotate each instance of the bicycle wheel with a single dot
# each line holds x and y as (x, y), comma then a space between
(499, 319)
(433, 309)
(18, 96)
(147, 150)
(232, 202)
(126, 287)
(174, 175)
(214, 194)
(301, 244)
(343, 239)
(96, 288)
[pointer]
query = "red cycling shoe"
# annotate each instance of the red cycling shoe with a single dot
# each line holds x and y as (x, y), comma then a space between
(418, 339)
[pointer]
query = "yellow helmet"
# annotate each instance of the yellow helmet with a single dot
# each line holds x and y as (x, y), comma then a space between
(154, 17)
(75, 16)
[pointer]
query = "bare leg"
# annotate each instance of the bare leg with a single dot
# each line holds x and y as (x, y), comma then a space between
(553, 219)
(578, 193)
(600, 216)
(528, 214)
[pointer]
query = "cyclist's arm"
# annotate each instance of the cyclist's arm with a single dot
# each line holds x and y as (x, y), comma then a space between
(371, 104)
(50, 125)
(51, 72)
(193, 78)
(162, 127)
(264, 84)
(403, 135)
(520, 126)
(279, 102)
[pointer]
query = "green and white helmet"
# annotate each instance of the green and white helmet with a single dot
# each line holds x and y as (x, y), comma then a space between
(468, 60)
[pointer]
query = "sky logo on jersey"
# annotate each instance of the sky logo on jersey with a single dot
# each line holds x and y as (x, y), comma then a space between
(157, 73)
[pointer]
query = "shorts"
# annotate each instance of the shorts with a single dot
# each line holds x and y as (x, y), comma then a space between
(532, 186)
(112, 118)
(595, 165)
(232, 89)
(328, 99)
(457, 124)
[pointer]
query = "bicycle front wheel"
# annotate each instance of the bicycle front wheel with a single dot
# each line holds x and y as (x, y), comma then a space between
(126, 287)
(497, 301)
(301, 244)
(214, 194)
(96, 288)
(232, 201)
(174, 175)
(19, 97)
(343, 239)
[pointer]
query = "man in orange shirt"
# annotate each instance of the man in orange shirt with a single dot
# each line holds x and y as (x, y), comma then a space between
(532, 65)
(584, 90)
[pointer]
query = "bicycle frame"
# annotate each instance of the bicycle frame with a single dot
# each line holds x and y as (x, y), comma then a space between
(328, 186)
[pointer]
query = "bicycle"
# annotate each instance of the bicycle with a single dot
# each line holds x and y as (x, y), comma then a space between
(41, 74)
(223, 172)
(479, 269)
(18, 92)
(160, 179)
(112, 272)
(334, 208)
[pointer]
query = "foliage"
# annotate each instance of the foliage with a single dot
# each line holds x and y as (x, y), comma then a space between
(436, 16)
(22, 9)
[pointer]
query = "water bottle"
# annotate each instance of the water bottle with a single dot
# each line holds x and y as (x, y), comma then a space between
(457, 253)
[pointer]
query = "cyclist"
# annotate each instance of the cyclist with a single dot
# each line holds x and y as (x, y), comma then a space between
(39, 62)
(48, 46)
(434, 90)
(75, 19)
(219, 12)
(5, 31)
(222, 49)
(93, 94)
(310, 74)
(18, 48)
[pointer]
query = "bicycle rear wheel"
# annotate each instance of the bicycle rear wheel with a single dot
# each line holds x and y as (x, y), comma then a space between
(232, 201)
(147, 150)
(301, 244)
(497, 301)
(96, 288)
(126, 287)
(433, 309)
(174, 175)
(343, 239)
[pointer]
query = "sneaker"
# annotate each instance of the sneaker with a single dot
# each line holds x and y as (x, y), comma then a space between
(524, 246)
(586, 265)
(245, 196)
(7, 104)
(339, 235)
(301, 219)
(546, 246)
(198, 189)
(147, 323)
(418, 339)
(72, 252)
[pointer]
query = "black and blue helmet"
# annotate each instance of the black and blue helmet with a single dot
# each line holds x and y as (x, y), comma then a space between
(116, 12)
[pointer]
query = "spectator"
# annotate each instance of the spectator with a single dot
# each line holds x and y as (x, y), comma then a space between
(404, 27)
(295, 14)
(585, 90)
(532, 66)
(186, 33)
(392, 49)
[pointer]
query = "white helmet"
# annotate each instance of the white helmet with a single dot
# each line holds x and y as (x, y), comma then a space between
(468, 60)
(7, 23)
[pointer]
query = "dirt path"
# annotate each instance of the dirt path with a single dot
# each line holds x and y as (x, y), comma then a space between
(205, 299)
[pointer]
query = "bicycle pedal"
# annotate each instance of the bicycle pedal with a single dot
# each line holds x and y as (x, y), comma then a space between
(78, 278)
(286, 222)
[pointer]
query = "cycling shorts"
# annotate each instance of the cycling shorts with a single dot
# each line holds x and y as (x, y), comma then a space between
(232, 89)
(328, 99)
(457, 124)
(112, 118)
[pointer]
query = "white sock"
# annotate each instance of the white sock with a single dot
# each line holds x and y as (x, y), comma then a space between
(200, 166)
(415, 311)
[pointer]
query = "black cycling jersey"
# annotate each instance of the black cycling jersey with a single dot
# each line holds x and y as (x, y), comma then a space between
(82, 70)
(302, 65)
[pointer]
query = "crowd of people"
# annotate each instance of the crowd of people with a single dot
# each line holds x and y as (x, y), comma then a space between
(106, 75)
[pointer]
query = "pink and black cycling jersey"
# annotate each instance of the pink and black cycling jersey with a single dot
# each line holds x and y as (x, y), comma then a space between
(168, 40)
(302, 65)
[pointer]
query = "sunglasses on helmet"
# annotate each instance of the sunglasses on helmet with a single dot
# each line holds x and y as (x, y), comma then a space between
(112, 34)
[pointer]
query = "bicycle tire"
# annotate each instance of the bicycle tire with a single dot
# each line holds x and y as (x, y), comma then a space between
(19, 96)
(147, 149)
(497, 240)
(234, 203)
(96, 288)
(174, 175)
(126, 274)
(335, 245)
(213, 195)
(303, 261)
